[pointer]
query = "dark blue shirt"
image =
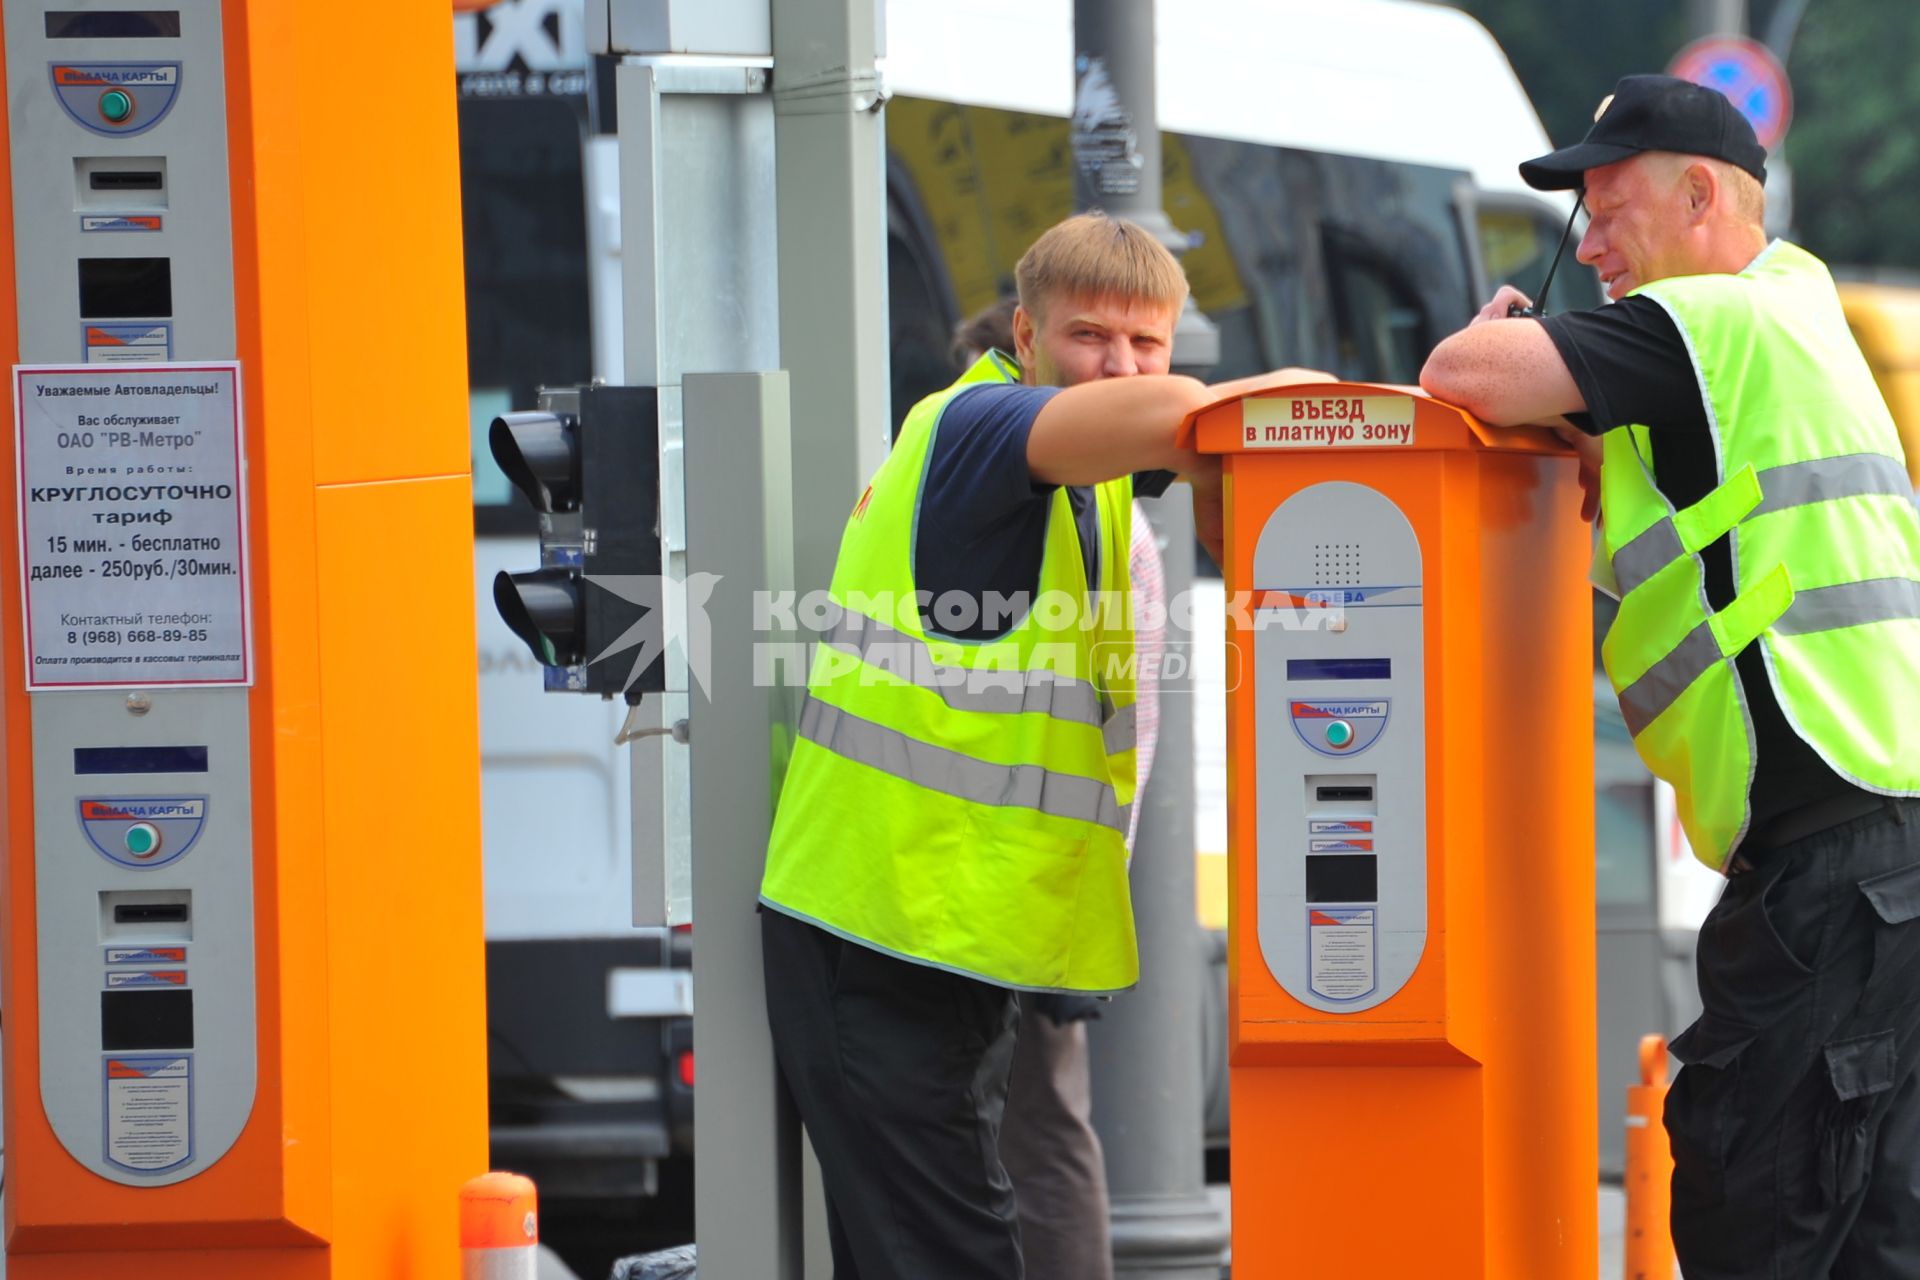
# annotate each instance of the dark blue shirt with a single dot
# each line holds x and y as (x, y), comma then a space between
(983, 517)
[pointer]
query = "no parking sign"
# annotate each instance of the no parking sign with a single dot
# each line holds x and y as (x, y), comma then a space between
(1748, 73)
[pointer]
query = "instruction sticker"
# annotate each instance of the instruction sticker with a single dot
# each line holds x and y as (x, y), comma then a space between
(1341, 826)
(146, 342)
(120, 222)
(149, 1105)
(133, 532)
(1326, 422)
(1340, 952)
(148, 978)
(146, 955)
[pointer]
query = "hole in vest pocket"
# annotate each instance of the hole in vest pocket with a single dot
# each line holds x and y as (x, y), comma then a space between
(1860, 1070)
(1699, 1106)
(1894, 897)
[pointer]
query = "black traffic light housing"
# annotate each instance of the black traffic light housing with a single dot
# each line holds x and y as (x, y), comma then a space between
(589, 462)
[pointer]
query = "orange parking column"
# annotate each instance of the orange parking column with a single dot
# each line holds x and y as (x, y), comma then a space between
(1411, 977)
(369, 1108)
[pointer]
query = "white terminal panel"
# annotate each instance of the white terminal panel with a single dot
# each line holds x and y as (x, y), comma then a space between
(136, 581)
(1340, 732)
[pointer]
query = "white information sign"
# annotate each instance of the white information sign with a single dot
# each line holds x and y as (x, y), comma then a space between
(149, 1112)
(1340, 956)
(133, 530)
(1326, 422)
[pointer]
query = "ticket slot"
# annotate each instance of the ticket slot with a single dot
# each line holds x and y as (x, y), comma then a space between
(119, 184)
(146, 915)
(1341, 793)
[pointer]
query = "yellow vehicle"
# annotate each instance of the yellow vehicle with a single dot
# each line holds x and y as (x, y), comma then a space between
(1885, 319)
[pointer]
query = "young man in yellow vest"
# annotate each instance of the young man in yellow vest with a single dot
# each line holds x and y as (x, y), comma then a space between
(1755, 520)
(952, 826)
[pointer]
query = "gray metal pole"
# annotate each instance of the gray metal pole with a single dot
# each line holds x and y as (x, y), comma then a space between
(1148, 1095)
(1116, 142)
(830, 175)
(1147, 1087)
(830, 172)
(1720, 17)
(739, 521)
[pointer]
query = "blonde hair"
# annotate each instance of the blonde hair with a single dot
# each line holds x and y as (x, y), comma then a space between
(1097, 256)
(1748, 198)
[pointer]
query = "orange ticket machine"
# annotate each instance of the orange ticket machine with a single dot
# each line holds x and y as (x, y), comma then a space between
(1410, 798)
(241, 944)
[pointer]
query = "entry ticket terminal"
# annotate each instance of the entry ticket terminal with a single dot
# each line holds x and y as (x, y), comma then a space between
(244, 1016)
(1411, 975)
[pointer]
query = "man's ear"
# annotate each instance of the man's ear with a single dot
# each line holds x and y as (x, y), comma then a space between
(1702, 188)
(1023, 335)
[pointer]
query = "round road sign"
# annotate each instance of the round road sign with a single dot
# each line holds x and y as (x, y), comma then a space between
(1748, 73)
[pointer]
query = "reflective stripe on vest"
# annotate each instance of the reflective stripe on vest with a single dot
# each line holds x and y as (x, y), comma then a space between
(1063, 795)
(989, 689)
(1795, 484)
(1850, 604)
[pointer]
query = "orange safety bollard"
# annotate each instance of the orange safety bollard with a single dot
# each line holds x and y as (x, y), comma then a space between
(1649, 1174)
(499, 1228)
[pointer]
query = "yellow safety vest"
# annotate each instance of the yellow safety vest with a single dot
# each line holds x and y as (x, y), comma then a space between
(964, 804)
(1826, 553)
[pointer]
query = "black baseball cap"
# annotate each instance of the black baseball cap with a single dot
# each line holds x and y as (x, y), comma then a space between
(1653, 113)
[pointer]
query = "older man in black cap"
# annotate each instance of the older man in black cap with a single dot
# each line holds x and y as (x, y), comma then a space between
(1755, 528)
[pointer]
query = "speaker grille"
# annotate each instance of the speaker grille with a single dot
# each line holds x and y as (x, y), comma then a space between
(1336, 564)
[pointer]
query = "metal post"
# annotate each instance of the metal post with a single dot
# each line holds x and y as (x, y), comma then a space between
(1148, 1095)
(830, 175)
(1116, 142)
(1147, 1087)
(1720, 17)
(739, 522)
(698, 235)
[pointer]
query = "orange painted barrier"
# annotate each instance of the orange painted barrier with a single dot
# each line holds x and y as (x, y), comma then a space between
(1649, 1172)
(499, 1228)
(243, 952)
(1410, 792)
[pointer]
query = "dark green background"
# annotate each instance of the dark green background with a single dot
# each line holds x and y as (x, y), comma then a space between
(1854, 145)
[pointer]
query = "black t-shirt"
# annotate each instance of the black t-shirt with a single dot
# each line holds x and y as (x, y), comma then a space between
(1632, 366)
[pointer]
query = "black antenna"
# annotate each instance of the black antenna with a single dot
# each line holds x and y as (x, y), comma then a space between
(1539, 308)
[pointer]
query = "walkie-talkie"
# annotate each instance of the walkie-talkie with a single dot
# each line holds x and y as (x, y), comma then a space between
(1517, 312)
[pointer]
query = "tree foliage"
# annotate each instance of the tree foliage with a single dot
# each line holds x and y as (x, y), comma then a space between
(1855, 66)
(1854, 147)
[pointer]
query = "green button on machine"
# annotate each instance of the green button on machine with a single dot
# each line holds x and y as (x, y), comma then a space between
(1339, 734)
(116, 105)
(143, 838)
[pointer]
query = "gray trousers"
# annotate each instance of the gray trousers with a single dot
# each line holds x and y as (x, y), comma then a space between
(1052, 1154)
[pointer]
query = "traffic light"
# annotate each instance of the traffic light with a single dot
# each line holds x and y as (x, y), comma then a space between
(589, 461)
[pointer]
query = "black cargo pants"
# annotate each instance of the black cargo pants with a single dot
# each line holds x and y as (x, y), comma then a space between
(1796, 1119)
(899, 1072)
